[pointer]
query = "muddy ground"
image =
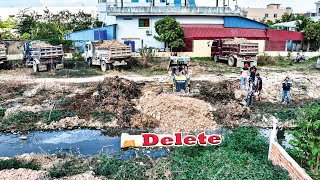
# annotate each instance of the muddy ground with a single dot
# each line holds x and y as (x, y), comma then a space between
(140, 103)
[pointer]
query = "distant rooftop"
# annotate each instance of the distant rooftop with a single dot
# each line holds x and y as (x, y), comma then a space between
(172, 10)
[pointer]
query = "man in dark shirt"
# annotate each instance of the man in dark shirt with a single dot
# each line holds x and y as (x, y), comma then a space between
(253, 71)
(286, 85)
(259, 86)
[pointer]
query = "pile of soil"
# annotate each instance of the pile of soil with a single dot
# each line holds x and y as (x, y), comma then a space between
(214, 92)
(114, 95)
(173, 113)
(24, 174)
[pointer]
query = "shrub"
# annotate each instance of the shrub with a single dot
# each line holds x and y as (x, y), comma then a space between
(15, 164)
(266, 60)
(69, 168)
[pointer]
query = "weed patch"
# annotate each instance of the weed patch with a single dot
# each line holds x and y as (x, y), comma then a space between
(72, 167)
(55, 115)
(2, 112)
(15, 164)
(103, 116)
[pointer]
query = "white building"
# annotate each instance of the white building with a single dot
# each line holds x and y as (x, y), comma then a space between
(135, 19)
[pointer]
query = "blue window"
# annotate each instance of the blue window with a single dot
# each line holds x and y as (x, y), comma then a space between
(192, 3)
(163, 1)
(177, 2)
(135, 1)
(148, 1)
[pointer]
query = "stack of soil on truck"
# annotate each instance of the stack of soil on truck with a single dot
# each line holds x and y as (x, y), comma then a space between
(236, 51)
(3, 56)
(43, 56)
(107, 54)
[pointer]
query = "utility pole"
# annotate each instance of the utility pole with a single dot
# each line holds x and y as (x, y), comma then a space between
(217, 3)
(121, 3)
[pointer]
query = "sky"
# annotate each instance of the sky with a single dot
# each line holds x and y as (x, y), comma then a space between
(9, 7)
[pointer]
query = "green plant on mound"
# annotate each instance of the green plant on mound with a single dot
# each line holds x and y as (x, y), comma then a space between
(55, 115)
(242, 155)
(72, 167)
(20, 120)
(16, 164)
(265, 59)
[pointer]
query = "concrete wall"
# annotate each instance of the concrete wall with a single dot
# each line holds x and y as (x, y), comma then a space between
(293, 54)
(200, 20)
(130, 30)
(280, 157)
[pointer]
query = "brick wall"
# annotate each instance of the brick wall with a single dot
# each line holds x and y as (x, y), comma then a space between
(280, 157)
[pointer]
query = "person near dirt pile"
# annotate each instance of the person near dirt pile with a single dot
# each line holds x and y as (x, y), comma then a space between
(244, 75)
(286, 85)
(258, 88)
(253, 72)
(250, 92)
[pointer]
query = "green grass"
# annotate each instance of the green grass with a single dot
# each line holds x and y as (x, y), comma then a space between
(55, 115)
(26, 120)
(63, 102)
(242, 155)
(16, 164)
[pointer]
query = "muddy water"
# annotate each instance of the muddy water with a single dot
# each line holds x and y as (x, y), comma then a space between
(76, 142)
(84, 142)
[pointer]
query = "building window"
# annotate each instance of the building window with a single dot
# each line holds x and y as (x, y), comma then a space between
(102, 1)
(134, 1)
(275, 15)
(148, 1)
(144, 22)
(163, 1)
(266, 15)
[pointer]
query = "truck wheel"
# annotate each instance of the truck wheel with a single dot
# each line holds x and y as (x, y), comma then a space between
(35, 68)
(103, 66)
(231, 61)
(215, 58)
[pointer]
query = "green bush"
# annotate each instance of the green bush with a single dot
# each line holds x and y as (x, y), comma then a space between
(72, 167)
(265, 59)
(15, 164)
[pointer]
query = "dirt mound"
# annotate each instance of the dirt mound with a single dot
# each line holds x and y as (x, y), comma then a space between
(213, 92)
(87, 176)
(175, 113)
(24, 174)
(115, 94)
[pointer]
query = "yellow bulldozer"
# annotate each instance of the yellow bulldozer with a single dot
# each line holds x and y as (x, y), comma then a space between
(179, 72)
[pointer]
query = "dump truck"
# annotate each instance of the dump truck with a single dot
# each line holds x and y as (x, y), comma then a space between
(236, 51)
(42, 56)
(107, 54)
(3, 57)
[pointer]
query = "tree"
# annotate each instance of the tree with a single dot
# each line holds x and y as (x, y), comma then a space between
(306, 140)
(287, 17)
(312, 34)
(170, 32)
(302, 22)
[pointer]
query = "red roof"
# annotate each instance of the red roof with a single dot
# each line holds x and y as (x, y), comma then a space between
(208, 32)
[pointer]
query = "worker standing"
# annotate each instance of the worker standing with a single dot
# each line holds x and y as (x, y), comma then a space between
(259, 86)
(286, 86)
(244, 75)
(250, 92)
(253, 72)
